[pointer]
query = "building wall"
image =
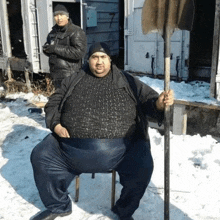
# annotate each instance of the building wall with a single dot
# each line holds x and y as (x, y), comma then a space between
(35, 31)
(107, 29)
(145, 53)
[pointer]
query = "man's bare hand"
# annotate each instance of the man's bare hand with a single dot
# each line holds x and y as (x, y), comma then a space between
(61, 131)
(165, 99)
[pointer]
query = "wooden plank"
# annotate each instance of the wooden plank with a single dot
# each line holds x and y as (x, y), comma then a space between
(215, 50)
(197, 104)
(38, 104)
(179, 119)
(77, 189)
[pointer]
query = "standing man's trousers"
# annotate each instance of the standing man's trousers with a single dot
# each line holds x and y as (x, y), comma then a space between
(53, 174)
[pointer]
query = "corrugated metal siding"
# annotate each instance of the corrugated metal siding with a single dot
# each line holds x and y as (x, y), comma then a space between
(107, 29)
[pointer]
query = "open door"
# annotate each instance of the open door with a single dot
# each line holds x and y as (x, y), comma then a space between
(46, 22)
(215, 68)
(144, 53)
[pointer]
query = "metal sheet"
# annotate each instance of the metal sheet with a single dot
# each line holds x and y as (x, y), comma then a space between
(179, 15)
(30, 34)
(44, 22)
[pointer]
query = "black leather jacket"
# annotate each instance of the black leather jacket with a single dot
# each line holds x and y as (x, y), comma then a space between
(70, 46)
(144, 96)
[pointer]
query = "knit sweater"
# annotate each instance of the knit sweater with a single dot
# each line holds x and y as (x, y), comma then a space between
(95, 109)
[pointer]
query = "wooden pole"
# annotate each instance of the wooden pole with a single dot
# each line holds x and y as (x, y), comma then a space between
(166, 36)
(113, 188)
(167, 32)
(77, 189)
(27, 79)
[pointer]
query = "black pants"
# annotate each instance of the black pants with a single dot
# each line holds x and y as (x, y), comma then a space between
(53, 174)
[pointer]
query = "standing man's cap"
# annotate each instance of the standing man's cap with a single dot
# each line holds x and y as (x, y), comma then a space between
(60, 9)
(99, 47)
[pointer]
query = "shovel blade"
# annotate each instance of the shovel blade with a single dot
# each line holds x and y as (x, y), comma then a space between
(158, 15)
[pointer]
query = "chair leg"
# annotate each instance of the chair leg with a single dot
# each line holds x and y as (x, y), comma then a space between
(112, 193)
(113, 188)
(77, 189)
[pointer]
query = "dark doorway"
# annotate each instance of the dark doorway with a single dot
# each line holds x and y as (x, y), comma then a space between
(16, 29)
(121, 24)
(119, 59)
(73, 9)
(201, 39)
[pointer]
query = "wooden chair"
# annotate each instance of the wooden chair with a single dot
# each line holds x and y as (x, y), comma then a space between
(93, 176)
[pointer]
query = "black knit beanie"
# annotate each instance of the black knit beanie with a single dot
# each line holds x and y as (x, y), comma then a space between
(60, 9)
(99, 47)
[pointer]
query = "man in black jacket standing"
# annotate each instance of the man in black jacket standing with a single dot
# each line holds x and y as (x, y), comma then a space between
(98, 120)
(65, 46)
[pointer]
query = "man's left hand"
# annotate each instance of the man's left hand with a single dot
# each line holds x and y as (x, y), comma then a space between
(49, 48)
(165, 99)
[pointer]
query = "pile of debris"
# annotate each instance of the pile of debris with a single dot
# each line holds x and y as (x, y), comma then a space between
(39, 84)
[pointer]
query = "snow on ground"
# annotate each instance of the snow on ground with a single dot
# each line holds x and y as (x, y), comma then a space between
(194, 173)
(195, 91)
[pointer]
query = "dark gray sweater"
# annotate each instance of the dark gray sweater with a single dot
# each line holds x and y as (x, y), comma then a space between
(96, 109)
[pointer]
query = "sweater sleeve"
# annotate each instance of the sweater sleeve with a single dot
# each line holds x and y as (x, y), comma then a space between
(52, 108)
(151, 110)
(147, 98)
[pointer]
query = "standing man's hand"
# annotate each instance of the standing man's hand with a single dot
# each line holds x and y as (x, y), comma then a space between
(49, 48)
(61, 131)
(165, 99)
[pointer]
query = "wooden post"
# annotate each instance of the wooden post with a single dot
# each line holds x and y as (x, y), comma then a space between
(9, 71)
(77, 189)
(113, 188)
(27, 79)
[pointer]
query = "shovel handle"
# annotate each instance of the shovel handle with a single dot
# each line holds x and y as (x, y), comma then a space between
(167, 127)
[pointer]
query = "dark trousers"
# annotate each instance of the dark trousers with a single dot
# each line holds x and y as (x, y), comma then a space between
(53, 175)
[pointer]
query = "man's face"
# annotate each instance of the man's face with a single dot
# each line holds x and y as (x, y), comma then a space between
(61, 19)
(100, 64)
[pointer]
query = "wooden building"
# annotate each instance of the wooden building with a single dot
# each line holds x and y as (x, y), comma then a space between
(25, 24)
